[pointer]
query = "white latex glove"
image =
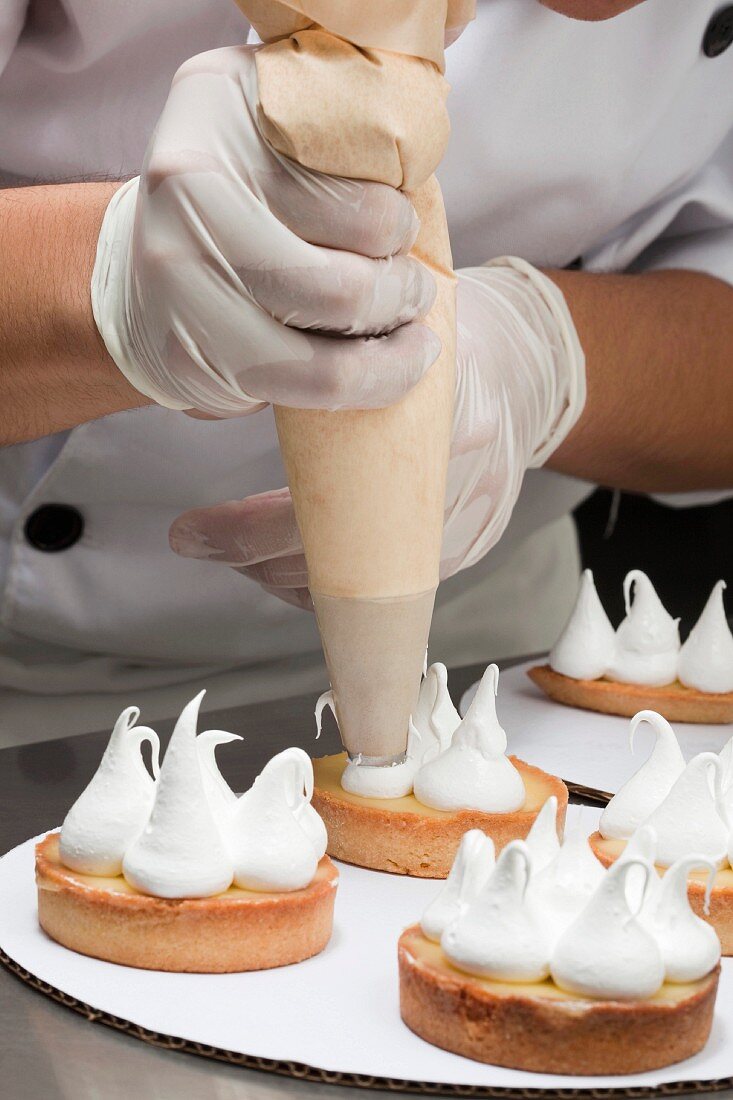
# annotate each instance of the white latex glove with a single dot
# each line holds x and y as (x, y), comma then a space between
(222, 281)
(520, 388)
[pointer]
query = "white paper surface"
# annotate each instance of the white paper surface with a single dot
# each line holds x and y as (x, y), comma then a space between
(338, 1011)
(580, 745)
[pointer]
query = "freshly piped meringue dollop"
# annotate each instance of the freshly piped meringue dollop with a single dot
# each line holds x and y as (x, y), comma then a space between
(542, 840)
(275, 843)
(606, 953)
(498, 935)
(585, 648)
(689, 946)
(473, 863)
(561, 890)
(706, 658)
(384, 782)
(473, 772)
(689, 820)
(429, 734)
(649, 786)
(648, 640)
(115, 806)
(180, 853)
(220, 796)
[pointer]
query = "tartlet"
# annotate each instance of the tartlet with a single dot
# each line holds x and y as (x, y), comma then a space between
(234, 931)
(403, 836)
(721, 896)
(541, 1028)
(675, 702)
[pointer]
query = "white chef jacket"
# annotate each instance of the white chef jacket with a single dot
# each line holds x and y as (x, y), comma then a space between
(607, 141)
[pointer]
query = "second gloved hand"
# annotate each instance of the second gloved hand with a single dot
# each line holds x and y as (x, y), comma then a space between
(228, 277)
(520, 388)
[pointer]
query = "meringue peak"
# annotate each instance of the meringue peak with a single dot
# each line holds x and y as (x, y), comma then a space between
(689, 945)
(180, 852)
(542, 840)
(642, 889)
(606, 952)
(585, 647)
(327, 699)
(706, 658)
(471, 868)
(689, 820)
(498, 935)
(648, 640)
(651, 783)
(275, 842)
(480, 729)
(473, 772)
(435, 718)
(560, 891)
(115, 805)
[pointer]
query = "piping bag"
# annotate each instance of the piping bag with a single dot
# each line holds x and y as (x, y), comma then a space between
(354, 88)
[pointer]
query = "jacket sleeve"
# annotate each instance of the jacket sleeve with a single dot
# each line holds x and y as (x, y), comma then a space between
(697, 233)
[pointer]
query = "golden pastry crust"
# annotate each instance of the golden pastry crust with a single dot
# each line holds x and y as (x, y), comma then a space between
(675, 702)
(234, 931)
(403, 836)
(721, 897)
(539, 1027)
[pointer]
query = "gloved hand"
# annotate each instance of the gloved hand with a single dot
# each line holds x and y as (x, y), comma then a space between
(520, 388)
(228, 276)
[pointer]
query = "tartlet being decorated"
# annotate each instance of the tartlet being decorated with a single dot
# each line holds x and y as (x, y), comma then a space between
(409, 819)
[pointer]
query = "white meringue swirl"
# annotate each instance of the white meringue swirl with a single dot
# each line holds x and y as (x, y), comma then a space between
(542, 840)
(642, 889)
(561, 890)
(395, 781)
(473, 863)
(606, 935)
(586, 645)
(187, 835)
(449, 764)
(180, 853)
(473, 772)
(689, 819)
(115, 806)
(272, 837)
(649, 786)
(607, 953)
(706, 658)
(220, 796)
(648, 640)
(689, 945)
(498, 935)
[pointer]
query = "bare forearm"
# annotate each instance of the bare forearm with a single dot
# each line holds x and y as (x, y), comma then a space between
(659, 357)
(54, 370)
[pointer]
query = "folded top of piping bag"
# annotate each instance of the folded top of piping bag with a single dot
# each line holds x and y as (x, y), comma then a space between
(420, 28)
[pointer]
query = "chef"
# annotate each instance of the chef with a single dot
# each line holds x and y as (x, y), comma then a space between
(591, 140)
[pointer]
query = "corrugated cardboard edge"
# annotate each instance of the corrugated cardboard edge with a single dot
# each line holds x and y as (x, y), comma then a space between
(303, 1072)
